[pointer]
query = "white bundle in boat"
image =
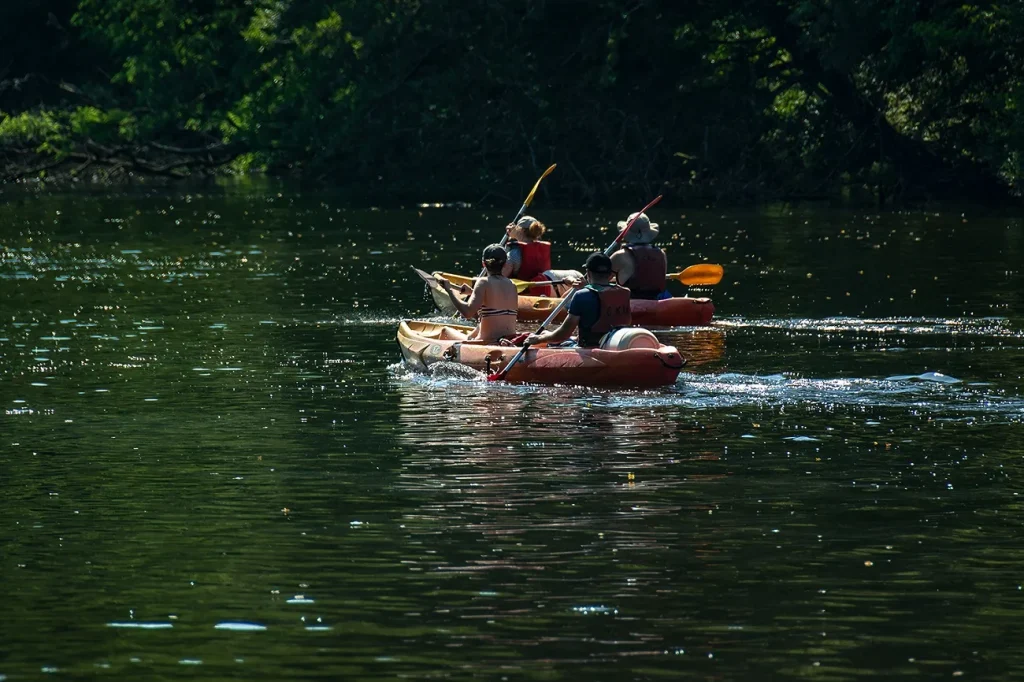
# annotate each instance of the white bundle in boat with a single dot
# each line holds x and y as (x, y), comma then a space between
(629, 337)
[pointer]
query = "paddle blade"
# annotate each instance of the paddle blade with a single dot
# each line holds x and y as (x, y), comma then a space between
(529, 197)
(702, 274)
(523, 285)
(428, 279)
(457, 280)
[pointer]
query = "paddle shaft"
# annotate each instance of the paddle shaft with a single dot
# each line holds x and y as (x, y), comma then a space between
(522, 209)
(520, 284)
(498, 376)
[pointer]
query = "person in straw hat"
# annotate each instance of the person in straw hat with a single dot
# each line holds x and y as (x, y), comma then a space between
(639, 265)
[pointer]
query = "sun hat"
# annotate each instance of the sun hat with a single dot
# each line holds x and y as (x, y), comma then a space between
(643, 230)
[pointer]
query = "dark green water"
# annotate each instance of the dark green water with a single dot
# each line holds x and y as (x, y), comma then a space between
(213, 467)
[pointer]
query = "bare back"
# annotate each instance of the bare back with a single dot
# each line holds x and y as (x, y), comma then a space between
(495, 300)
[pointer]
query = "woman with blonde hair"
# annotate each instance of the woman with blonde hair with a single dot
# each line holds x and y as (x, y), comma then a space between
(529, 258)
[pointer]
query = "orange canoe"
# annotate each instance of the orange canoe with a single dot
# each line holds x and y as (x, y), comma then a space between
(668, 312)
(426, 343)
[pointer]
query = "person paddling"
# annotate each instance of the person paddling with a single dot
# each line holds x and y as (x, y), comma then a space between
(597, 309)
(529, 258)
(493, 297)
(640, 266)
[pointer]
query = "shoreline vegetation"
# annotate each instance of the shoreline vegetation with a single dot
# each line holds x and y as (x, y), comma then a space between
(734, 101)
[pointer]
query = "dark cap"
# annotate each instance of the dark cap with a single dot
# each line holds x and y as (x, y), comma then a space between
(495, 256)
(599, 264)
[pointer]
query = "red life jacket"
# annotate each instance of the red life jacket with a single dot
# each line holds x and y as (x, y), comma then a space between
(649, 269)
(535, 259)
(613, 313)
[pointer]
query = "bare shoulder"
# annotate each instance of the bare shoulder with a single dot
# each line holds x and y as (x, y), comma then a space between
(501, 293)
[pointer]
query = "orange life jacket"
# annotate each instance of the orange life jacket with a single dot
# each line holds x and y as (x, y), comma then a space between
(649, 269)
(613, 313)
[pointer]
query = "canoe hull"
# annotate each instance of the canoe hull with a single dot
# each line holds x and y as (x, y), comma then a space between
(426, 343)
(669, 312)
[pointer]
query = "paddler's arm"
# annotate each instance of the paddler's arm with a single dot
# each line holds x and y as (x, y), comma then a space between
(515, 257)
(561, 333)
(622, 265)
(470, 307)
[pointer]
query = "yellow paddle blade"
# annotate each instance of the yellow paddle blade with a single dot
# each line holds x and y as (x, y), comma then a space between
(702, 274)
(456, 280)
(459, 280)
(522, 286)
(529, 197)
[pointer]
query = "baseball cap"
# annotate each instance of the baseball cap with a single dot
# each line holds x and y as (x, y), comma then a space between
(599, 264)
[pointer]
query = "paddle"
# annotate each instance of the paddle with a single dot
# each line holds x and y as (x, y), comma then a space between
(702, 274)
(428, 279)
(438, 293)
(498, 376)
(522, 209)
(521, 284)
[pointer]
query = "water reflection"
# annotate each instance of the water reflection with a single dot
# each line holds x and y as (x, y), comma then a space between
(202, 440)
(513, 451)
(702, 348)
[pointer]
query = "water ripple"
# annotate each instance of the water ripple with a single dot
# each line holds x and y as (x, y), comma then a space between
(968, 326)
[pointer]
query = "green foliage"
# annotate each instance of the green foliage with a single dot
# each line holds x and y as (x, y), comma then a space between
(733, 99)
(29, 128)
(56, 132)
(103, 126)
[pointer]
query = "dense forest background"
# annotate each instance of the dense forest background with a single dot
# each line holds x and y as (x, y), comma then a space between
(716, 100)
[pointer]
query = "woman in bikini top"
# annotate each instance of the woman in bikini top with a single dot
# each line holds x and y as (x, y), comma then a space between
(494, 299)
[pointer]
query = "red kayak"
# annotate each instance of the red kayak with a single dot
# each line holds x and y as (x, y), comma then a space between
(426, 343)
(668, 312)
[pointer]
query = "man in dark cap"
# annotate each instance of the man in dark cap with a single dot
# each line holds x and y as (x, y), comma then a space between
(597, 309)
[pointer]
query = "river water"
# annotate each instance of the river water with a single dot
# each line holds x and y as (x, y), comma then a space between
(214, 466)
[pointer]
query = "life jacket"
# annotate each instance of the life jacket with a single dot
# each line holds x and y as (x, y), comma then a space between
(535, 259)
(649, 269)
(613, 312)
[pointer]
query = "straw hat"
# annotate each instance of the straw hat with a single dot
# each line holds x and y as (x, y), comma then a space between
(643, 230)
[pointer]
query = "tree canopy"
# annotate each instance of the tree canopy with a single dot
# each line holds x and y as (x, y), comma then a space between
(730, 100)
